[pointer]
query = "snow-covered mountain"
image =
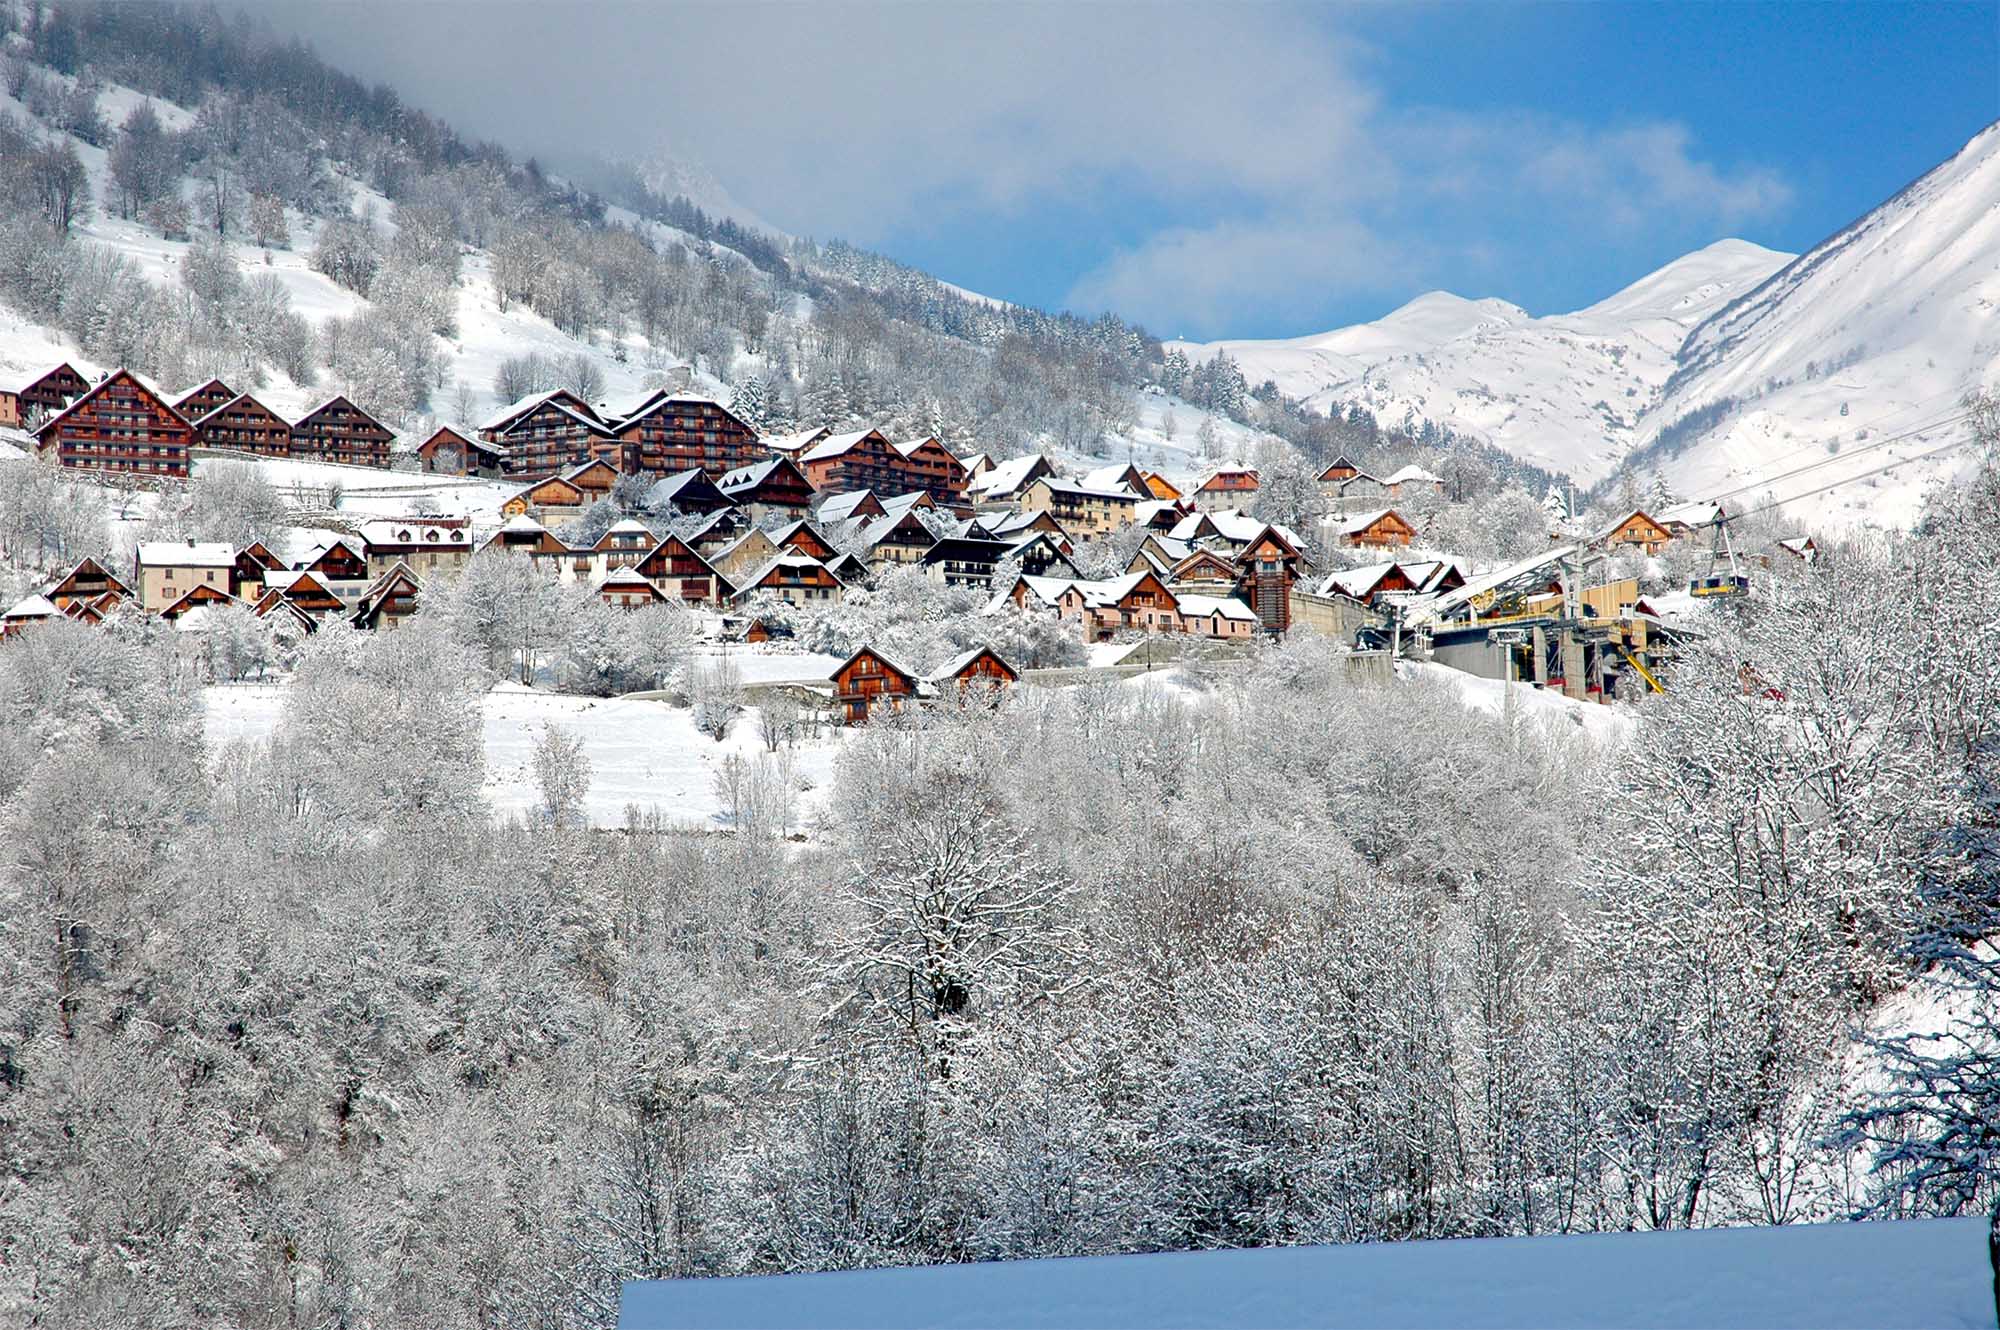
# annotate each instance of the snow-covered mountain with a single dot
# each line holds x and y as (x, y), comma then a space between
(1567, 391)
(1854, 357)
(1735, 369)
(672, 174)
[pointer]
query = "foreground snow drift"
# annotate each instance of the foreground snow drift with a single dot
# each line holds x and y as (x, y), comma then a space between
(1907, 1273)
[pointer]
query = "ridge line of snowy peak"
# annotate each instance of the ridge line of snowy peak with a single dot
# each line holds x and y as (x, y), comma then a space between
(1710, 368)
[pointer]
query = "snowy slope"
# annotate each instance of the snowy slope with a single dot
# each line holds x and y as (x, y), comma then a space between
(1905, 1273)
(1567, 391)
(1893, 320)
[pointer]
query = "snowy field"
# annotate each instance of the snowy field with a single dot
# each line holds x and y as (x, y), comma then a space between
(1930, 1273)
(642, 753)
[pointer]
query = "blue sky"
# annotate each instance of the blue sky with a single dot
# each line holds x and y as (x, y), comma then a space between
(1234, 170)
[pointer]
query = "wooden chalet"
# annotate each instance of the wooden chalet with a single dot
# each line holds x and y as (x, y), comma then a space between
(1205, 570)
(336, 561)
(867, 460)
(1635, 530)
(1039, 554)
(682, 574)
(798, 579)
(803, 538)
(628, 589)
(197, 597)
(1269, 565)
(254, 565)
(1161, 488)
(689, 491)
(774, 487)
(448, 452)
(1226, 487)
(93, 611)
(1338, 470)
(895, 538)
(304, 592)
(868, 684)
(546, 433)
(389, 600)
(25, 614)
(1384, 527)
(624, 544)
(88, 581)
(120, 425)
(851, 507)
(198, 402)
(716, 531)
(246, 425)
(963, 560)
(43, 397)
(1368, 583)
(340, 431)
(980, 669)
(275, 607)
(565, 494)
(933, 468)
(522, 534)
(1003, 482)
(674, 431)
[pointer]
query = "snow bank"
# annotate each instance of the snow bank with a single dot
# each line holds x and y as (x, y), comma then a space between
(1905, 1273)
(1490, 696)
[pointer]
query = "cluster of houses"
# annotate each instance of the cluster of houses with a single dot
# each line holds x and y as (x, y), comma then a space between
(372, 579)
(122, 425)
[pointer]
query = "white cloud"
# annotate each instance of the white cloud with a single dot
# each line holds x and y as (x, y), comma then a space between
(1267, 174)
(1193, 281)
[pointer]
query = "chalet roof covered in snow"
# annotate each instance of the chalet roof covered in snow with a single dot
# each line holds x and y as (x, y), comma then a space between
(1202, 607)
(1412, 473)
(186, 554)
(32, 607)
(1006, 478)
(838, 445)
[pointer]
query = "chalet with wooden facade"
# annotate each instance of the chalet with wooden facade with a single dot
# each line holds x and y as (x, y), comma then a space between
(676, 431)
(198, 402)
(868, 683)
(198, 597)
(628, 589)
(42, 397)
(547, 433)
(980, 670)
(340, 431)
(27, 613)
(448, 452)
(1003, 482)
(689, 491)
(1635, 530)
(1161, 488)
(1270, 564)
(1384, 527)
(774, 487)
(966, 561)
(122, 426)
(254, 564)
(867, 460)
(389, 600)
(246, 425)
(682, 574)
(798, 579)
(87, 583)
(1226, 487)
